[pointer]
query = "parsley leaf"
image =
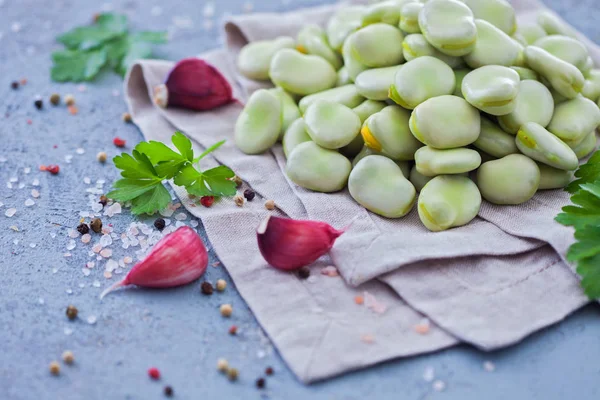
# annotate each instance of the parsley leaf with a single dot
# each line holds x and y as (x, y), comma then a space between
(76, 66)
(587, 173)
(106, 27)
(168, 162)
(213, 182)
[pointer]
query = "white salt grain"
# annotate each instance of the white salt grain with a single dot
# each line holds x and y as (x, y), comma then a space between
(105, 240)
(193, 223)
(73, 233)
(29, 203)
(69, 291)
(86, 271)
(10, 212)
(167, 212)
(111, 265)
(71, 245)
(87, 180)
(439, 386)
(68, 158)
(112, 210)
(68, 331)
(90, 264)
(91, 319)
(32, 245)
(80, 150)
(41, 301)
(127, 260)
(86, 238)
(27, 170)
(9, 185)
(180, 217)
(428, 374)
(35, 193)
(489, 366)
(96, 248)
(96, 283)
(209, 9)
(36, 182)
(16, 27)
(106, 253)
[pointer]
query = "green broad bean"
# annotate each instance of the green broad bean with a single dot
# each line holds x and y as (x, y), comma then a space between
(255, 58)
(258, 126)
(367, 151)
(347, 95)
(553, 178)
(449, 26)
(591, 87)
(388, 132)
(343, 78)
(417, 179)
(386, 12)
(415, 45)
(459, 75)
(552, 25)
(374, 84)
(352, 149)
(353, 66)
(565, 78)
(511, 180)
(378, 184)
(294, 135)
(289, 109)
(537, 143)
(288, 70)
(315, 168)
(492, 89)
(378, 45)
(368, 108)
(431, 162)
(497, 12)
(526, 73)
(534, 103)
(574, 119)
(520, 39)
(331, 125)
(420, 79)
(531, 32)
(409, 17)
(566, 48)
(345, 21)
(312, 40)
(445, 122)
(589, 65)
(586, 146)
(448, 201)
(493, 47)
(494, 141)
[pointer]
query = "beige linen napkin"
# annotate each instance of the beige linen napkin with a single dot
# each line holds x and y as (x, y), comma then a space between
(489, 283)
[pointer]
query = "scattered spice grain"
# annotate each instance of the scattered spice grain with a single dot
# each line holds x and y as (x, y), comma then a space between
(126, 117)
(159, 224)
(239, 200)
(221, 285)
(233, 330)
(207, 201)
(69, 100)
(359, 300)
(73, 110)
(260, 383)
(55, 368)
(168, 390)
(206, 288)
(238, 181)
(68, 357)
(249, 194)
(154, 373)
(304, 273)
(14, 85)
(222, 365)
(55, 99)
(119, 142)
(83, 228)
(101, 157)
(96, 225)
(226, 310)
(39, 104)
(71, 312)
(269, 371)
(270, 204)
(103, 200)
(232, 374)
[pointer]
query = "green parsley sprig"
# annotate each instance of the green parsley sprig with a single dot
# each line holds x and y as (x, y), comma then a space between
(584, 216)
(105, 43)
(151, 163)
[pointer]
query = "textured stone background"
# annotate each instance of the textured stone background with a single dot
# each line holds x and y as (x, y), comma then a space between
(180, 331)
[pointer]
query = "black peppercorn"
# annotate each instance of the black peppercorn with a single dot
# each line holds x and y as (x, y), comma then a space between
(304, 272)
(269, 371)
(96, 225)
(103, 200)
(260, 383)
(159, 224)
(206, 288)
(39, 104)
(249, 194)
(71, 312)
(168, 391)
(14, 85)
(83, 228)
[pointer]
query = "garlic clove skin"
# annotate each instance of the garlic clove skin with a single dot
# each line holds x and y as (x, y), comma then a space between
(193, 84)
(177, 259)
(289, 244)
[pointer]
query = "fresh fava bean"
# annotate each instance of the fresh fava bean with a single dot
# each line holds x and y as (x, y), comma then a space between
(492, 89)
(318, 169)
(589, 65)
(420, 79)
(409, 17)
(289, 109)
(353, 66)
(342, 77)
(448, 201)
(387, 12)
(255, 58)
(531, 32)
(388, 132)
(494, 141)
(565, 78)
(574, 119)
(449, 26)
(497, 12)
(493, 47)
(536, 142)
(431, 162)
(312, 40)
(345, 21)
(459, 75)
(591, 88)
(294, 135)
(553, 25)
(417, 179)
(415, 45)
(353, 148)
(566, 48)
(520, 39)
(347, 95)
(378, 184)
(289, 70)
(374, 84)
(526, 73)
(445, 122)
(553, 178)
(368, 108)
(586, 146)
(259, 124)
(367, 151)
(534, 103)
(378, 45)
(513, 179)
(331, 125)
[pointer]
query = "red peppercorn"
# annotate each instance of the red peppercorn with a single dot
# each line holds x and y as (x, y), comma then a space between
(207, 201)
(154, 373)
(233, 330)
(53, 169)
(269, 371)
(119, 142)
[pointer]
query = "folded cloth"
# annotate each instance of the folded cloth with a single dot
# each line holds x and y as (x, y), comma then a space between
(489, 283)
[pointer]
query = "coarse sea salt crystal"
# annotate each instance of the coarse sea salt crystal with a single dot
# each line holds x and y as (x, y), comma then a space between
(68, 158)
(73, 233)
(90, 264)
(97, 207)
(439, 386)
(14, 228)
(69, 291)
(54, 270)
(167, 212)
(112, 210)
(87, 180)
(107, 274)
(81, 285)
(91, 319)
(179, 224)
(71, 245)
(41, 301)
(96, 248)
(29, 202)
(1, 204)
(127, 260)
(489, 366)
(86, 271)
(193, 223)
(32, 245)
(80, 151)
(9, 185)
(209, 9)
(21, 185)
(86, 238)
(180, 217)
(36, 182)
(27, 170)
(10, 212)
(35, 193)
(96, 283)
(68, 331)
(105, 240)
(111, 265)
(106, 253)
(429, 374)
(14, 179)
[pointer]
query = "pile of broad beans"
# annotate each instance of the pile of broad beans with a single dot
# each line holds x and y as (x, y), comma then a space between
(447, 98)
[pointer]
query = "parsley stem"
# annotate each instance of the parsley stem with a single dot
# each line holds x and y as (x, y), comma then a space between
(209, 150)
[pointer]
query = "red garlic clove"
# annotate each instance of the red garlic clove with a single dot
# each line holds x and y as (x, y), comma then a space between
(193, 84)
(289, 244)
(177, 259)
